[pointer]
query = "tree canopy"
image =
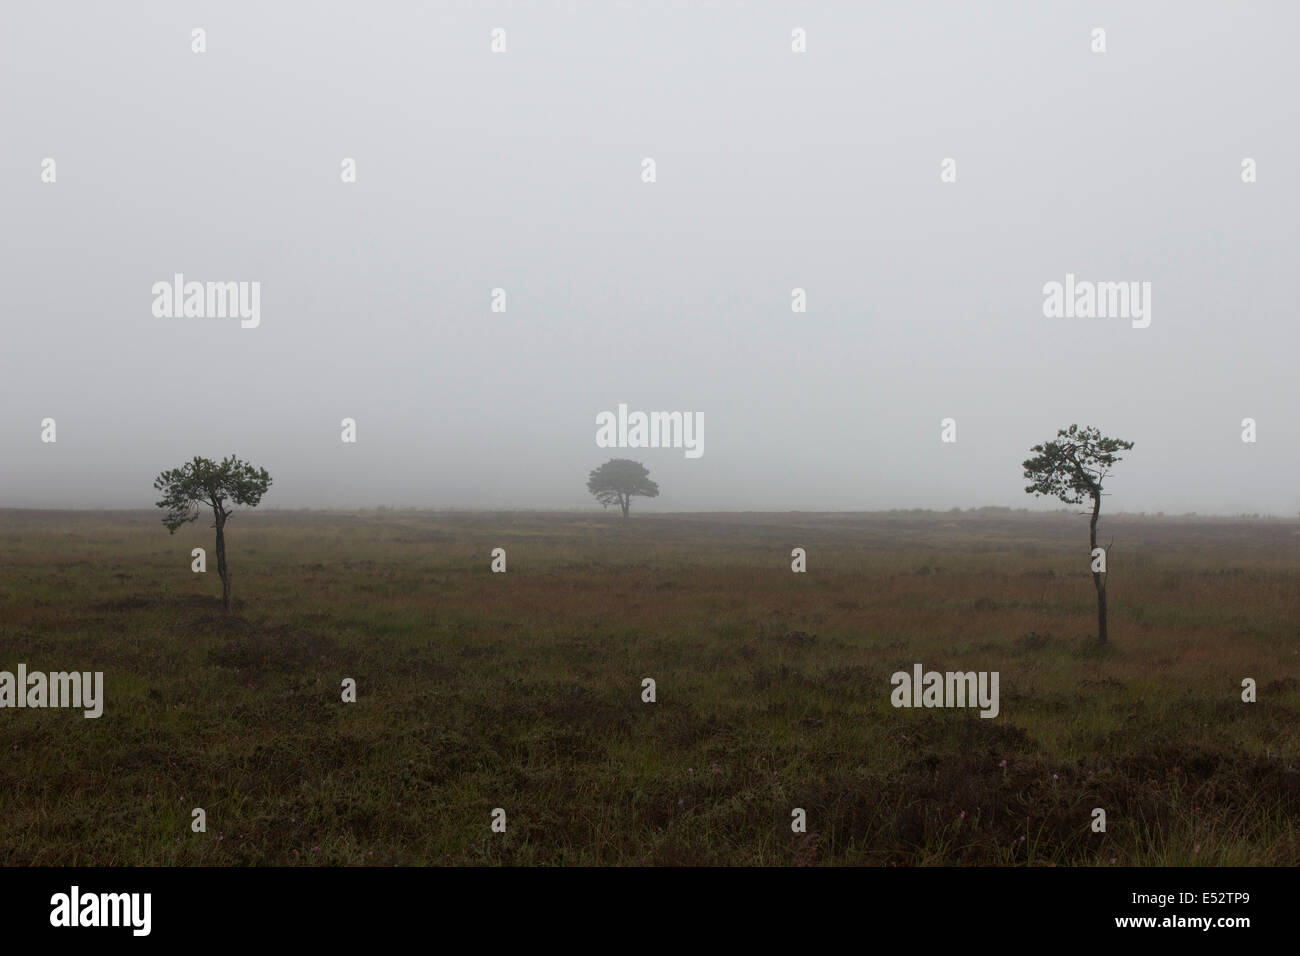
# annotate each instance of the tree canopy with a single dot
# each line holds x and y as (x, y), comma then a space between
(204, 482)
(1074, 466)
(618, 480)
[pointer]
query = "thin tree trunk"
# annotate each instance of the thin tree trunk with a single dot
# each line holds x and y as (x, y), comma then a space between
(221, 562)
(624, 501)
(1097, 578)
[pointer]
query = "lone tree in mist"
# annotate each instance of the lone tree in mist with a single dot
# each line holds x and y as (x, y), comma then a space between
(203, 482)
(616, 481)
(1073, 468)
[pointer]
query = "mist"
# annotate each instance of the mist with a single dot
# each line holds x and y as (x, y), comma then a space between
(522, 171)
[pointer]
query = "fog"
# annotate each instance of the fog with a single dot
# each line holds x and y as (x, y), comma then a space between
(523, 171)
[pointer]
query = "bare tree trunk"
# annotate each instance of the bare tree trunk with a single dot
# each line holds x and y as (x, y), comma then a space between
(221, 562)
(1097, 578)
(624, 502)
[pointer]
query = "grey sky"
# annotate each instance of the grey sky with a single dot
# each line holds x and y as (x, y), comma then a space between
(775, 170)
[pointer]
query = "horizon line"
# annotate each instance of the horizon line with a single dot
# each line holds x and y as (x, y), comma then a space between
(998, 509)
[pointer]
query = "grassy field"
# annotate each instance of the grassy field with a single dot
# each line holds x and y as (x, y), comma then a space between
(523, 690)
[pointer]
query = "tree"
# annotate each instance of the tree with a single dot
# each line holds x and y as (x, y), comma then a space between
(1072, 468)
(203, 482)
(616, 481)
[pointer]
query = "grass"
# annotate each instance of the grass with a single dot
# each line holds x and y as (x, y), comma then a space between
(523, 690)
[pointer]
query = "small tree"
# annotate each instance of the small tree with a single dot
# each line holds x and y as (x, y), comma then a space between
(203, 482)
(1072, 468)
(616, 481)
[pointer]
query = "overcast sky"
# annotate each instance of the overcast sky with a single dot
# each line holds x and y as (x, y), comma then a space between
(523, 171)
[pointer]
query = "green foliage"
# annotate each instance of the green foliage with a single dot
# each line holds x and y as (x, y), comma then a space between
(1073, 467)
(204, 482)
